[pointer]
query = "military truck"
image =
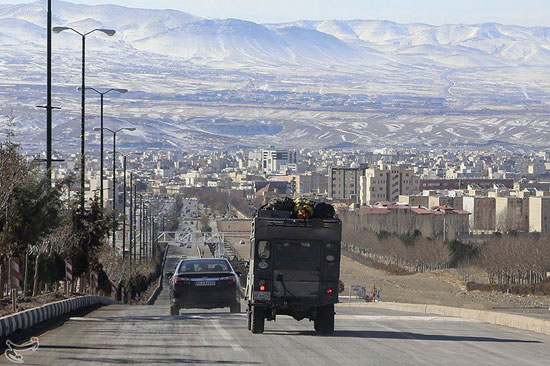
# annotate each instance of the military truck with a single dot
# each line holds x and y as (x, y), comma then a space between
(293, 270)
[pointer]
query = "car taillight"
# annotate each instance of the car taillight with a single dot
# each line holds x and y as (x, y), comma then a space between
(330, 291)
(181, 280)
(262, 288)
(230, 279)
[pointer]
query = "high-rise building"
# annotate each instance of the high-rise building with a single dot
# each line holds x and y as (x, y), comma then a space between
(278, 160)
(386, 183)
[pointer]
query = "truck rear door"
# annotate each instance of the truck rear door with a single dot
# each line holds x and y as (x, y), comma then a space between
(297, 263)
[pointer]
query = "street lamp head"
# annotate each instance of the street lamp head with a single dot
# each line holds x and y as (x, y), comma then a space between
(97, 128)
(130, 128)
(59, 29)
(122, 91)
(109, 32)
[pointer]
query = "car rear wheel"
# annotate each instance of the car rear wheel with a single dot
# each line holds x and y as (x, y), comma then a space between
(258, 320)
(325, 319)
(174, 310)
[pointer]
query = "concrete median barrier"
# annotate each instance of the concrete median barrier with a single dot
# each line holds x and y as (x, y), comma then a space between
(491, 317)
(26, 319)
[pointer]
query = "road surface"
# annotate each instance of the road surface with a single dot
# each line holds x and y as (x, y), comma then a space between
(147, 335)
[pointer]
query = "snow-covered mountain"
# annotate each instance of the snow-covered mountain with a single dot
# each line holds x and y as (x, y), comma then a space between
(178, 34)
(198, 81)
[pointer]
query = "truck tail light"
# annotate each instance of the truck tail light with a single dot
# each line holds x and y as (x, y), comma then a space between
(330, 291)
(262, 288)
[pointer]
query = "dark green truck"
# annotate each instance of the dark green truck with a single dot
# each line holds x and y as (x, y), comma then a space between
(294, 270)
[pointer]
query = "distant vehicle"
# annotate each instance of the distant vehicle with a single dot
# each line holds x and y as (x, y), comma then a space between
(189, 246)
(241, 242)
(294, 270)
(205, 283)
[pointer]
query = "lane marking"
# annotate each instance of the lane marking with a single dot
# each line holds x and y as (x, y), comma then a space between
(236, 347)
(405, 318)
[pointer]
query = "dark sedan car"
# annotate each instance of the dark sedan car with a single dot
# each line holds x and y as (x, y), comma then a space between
(204, 283)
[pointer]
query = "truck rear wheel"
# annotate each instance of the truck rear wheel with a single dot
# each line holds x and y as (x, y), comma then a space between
(174, 309)
(258, 320)
(325, 320)
(317, 325)
(249, 313)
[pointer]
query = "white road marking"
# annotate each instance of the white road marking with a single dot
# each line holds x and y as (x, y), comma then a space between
(236, 347)
(404, 318)
(87, 319)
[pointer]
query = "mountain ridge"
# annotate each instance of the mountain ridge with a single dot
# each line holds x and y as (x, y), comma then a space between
(191, 37)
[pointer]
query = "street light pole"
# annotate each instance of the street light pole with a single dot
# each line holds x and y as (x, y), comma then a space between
(114, 174)
(114, 190)
(131, 216)
(140, 227)
(146, 233)
(124, 214)
(134, 224)
(101, 169)
(83, 124)
(108, 32)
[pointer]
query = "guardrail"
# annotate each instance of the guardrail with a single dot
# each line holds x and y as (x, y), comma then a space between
(26, 319)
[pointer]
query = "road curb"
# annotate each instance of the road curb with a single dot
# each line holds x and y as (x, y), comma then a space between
(151, 300)
(491, 317)
(26, 319)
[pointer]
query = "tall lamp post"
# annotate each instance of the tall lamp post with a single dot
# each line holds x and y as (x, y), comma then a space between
(124, 211)
(114, 132)
(102, 95)
(109, 32)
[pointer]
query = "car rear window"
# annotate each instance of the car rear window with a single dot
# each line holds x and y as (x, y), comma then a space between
(204, 266)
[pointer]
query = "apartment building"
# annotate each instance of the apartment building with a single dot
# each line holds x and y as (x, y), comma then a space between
(512, 213)
(483, 213)
(310, 183)
(539, 214)
(415, 200)
(387, 183)
(343, 183)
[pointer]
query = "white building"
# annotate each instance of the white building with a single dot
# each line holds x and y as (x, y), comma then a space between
(278, 161)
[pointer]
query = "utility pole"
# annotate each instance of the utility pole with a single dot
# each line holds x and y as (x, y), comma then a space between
(48, 107)
(49, 97)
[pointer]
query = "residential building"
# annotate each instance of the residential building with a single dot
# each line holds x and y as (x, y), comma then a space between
(483, 213)
(343, 183)
(386, 183)
(539, 214)
(512, 214)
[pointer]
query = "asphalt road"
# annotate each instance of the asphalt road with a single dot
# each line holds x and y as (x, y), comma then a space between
(147, 335)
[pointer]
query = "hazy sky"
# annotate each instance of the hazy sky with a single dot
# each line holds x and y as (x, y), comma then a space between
(523, 12)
